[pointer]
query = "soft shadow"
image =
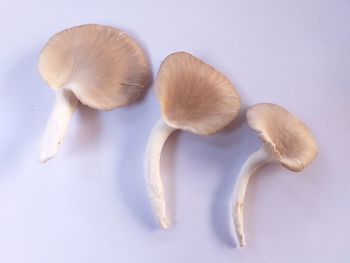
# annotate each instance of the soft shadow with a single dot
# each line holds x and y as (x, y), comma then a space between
(134, 128)
(88, 130)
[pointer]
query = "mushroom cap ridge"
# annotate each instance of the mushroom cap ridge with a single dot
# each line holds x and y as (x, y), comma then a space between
(289, 139)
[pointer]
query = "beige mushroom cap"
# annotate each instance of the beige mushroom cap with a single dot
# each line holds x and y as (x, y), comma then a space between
(194, 96)
(290, 140)
(101, 65)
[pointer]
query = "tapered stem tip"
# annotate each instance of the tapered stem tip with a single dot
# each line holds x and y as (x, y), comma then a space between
(241, 241)
(164, 224)
(44, 157)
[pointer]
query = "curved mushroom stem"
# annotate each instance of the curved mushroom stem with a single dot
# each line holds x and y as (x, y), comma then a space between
(159, 135)
(251, 165)
(65, 105)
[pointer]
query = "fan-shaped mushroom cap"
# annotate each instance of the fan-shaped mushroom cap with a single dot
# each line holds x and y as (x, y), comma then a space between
(289, 139)
(101, 65)
(194, 96)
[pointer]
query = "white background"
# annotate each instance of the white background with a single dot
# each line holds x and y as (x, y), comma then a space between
(90, 203)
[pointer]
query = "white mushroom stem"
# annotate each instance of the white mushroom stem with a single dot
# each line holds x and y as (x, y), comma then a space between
(251, 165)
(159, 135)
(65, 105)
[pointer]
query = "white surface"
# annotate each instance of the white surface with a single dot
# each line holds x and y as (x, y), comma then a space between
(90, 204)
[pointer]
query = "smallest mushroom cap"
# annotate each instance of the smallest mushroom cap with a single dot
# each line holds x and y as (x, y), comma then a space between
(289, 138)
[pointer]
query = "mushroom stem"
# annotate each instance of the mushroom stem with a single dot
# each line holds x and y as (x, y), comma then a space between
(159, 135)
(65, 105)
(251, 165)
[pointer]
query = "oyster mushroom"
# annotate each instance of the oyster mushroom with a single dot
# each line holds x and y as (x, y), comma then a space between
(286, 141)
(193, 97)
(100, 66)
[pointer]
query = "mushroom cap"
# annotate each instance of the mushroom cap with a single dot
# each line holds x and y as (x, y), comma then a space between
(101, 65)
(194, 96)
(289, 139)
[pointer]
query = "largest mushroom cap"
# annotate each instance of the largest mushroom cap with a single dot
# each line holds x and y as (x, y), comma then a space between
(194, 96)
(103, 66)
(288, 138)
